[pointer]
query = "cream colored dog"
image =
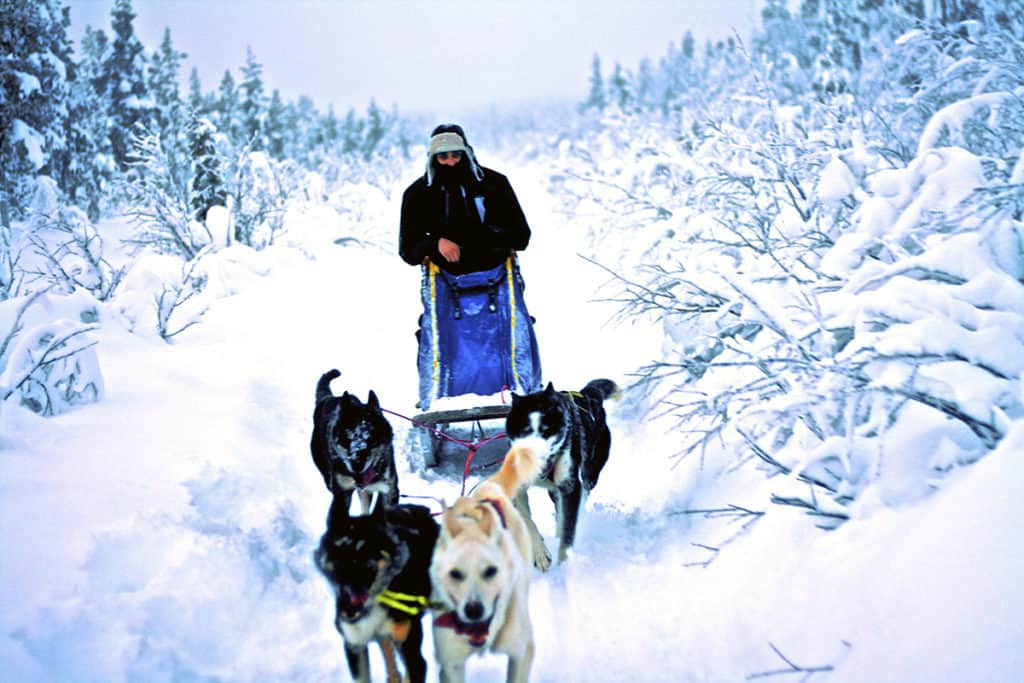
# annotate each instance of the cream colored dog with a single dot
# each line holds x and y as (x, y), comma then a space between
(481, 572)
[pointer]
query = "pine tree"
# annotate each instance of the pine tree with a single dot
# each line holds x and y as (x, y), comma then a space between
(33, 90)
(644, 91)
(274, 126)
(253, 105)
(351, 133)
(618, 88)
(689, 46)
(303, 116)
(228, 108)
(204, 104)
(125, 81)
(375, 128)
(61, 50)
(164, 87)
(91, 163)
(207, 188)
(596, 98)
(331, 129)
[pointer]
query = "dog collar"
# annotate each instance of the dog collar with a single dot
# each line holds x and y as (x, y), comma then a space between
(369, 476)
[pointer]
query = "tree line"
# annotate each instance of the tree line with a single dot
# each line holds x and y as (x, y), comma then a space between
(78, 119)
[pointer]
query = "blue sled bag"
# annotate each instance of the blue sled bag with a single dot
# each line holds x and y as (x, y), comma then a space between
(476, 335)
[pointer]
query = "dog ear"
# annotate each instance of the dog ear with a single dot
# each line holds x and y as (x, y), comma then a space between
(515, 397)
(372, 403)
(449, 526)
(490, 523)
(549, 389)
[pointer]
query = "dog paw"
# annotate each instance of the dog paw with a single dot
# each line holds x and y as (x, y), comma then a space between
(541, 557)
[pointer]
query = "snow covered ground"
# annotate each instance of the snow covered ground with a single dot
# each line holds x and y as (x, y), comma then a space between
(165, 533)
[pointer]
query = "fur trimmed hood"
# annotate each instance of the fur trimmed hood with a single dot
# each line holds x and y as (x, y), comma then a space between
(450, 137)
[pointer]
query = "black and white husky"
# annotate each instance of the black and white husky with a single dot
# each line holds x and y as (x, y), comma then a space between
(353, 446)
(570, 430)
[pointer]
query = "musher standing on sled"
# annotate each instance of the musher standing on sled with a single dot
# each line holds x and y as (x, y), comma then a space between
(463, 224)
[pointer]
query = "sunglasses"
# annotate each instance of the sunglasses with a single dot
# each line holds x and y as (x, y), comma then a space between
(444, 156)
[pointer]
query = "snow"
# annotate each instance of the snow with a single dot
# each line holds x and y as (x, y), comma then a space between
(165, 533)
(27, 84)
(836, 182)
(31, 140)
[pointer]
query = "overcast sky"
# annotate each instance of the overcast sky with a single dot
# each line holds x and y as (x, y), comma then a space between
(418, 54)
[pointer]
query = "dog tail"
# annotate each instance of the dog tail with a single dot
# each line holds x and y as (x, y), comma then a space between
(521, 466)
(602, 389)
(323, 387)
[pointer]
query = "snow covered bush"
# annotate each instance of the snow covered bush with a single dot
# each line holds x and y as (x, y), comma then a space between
(173, 298)
(47, 359)
(839, 272)
(70, 252)
(159, 201)
(260, 189)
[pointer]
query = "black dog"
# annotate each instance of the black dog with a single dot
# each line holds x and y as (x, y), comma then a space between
(569, 430)
(353, 445)
(378, 566)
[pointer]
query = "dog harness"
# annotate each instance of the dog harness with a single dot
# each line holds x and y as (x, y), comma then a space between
(497, 508)
(414, 605)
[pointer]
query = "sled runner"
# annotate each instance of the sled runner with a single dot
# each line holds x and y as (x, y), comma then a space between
(469, 429)
(475, 338)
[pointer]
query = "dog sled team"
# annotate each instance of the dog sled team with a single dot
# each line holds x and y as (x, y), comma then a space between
(469, 567)
(392, 564)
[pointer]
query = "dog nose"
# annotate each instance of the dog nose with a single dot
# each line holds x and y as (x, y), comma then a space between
(474, 611)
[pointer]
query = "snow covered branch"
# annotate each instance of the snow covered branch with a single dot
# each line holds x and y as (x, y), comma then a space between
(76, 259)
(51, 364)
(172, 298)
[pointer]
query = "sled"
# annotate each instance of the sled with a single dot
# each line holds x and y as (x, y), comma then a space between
(475, 338)
(468, 430)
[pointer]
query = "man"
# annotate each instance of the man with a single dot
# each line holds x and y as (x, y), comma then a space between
(463, 223)
(459, 215)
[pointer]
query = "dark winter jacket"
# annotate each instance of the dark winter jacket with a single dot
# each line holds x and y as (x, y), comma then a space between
(482, 216)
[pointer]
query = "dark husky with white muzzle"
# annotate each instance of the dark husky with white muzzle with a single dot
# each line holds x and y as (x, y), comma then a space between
(378, 568)
(353, 446)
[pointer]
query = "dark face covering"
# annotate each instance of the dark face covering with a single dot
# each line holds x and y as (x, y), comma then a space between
(452, 175)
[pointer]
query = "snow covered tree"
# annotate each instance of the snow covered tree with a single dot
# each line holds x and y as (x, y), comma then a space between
(619, 90)
(351, 132)
(837, 275)
(165, 89)
(199, 102)
(688, 46)
(374, 130)
(596, 96)
(125, 81)
(158, 195)
(330, 130)
(33, 90)
(207, 179)
(91, 164)
(228, 114)
(274, 126)
(253, 105)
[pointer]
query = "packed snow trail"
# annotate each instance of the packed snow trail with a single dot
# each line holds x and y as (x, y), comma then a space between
(202, 461)
(165, 533)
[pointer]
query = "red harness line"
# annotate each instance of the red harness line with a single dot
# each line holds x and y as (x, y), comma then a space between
(472, 446)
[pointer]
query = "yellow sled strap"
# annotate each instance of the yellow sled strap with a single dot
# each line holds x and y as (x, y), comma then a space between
(510, 272)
